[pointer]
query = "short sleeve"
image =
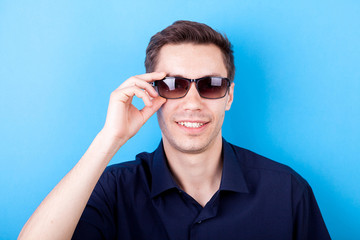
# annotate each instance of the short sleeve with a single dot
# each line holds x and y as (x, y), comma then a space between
(97, 221)
(308, 222)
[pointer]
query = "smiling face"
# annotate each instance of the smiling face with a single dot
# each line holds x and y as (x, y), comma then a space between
(192, 124)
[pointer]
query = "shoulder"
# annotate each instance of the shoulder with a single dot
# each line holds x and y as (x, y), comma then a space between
(252, 162)
(129, 171)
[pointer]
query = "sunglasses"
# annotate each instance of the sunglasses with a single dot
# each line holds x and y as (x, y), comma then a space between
(178, 87)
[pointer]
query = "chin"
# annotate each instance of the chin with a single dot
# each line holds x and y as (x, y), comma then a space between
(190, 145)
(192, 149)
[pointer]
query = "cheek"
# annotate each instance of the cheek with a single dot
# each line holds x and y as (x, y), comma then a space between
(163, 114)
(219, 112)
(221, 117)
(160, 117)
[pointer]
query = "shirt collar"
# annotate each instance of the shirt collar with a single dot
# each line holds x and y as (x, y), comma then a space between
(162, 179)
(232, 177)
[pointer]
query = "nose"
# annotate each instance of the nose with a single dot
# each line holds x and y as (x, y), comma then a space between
(192, 100)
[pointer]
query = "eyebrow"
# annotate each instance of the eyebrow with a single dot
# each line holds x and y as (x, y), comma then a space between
(182, 76)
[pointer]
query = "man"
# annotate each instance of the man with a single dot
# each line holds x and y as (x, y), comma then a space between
(195, 185)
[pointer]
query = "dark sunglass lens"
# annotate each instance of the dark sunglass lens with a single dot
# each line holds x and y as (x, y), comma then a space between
(171, 87)
(212, 87)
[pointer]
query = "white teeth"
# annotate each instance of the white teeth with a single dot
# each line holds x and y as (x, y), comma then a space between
(191, 124)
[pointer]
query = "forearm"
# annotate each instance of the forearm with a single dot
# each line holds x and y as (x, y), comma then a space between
(60, 211)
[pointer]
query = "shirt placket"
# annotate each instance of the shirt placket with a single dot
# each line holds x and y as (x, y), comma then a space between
(208, 212)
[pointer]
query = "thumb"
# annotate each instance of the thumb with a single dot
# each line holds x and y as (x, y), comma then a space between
(148, 111)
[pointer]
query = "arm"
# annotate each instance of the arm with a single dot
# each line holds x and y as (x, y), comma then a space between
(59, 213)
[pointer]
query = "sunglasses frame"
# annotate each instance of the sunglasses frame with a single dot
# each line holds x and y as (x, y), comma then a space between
(196, 84)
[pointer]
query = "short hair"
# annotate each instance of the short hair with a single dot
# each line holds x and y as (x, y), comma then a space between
(189, 32)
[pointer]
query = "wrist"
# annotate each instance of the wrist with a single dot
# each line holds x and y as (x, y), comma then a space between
(108, 143)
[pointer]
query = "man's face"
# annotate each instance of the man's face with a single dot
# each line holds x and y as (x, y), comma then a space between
(192, 124)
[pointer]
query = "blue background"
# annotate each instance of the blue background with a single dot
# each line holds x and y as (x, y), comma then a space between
(297, 94)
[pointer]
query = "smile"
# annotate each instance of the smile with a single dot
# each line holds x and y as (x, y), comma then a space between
(191, 124)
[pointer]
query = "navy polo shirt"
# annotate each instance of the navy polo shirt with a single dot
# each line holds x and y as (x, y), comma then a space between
(257, 199)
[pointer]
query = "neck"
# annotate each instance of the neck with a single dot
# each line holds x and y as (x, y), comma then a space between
(198, 174)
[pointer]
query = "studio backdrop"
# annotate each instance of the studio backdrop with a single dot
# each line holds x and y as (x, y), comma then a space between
(297, 90)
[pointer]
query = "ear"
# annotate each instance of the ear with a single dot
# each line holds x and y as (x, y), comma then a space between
(230, 97)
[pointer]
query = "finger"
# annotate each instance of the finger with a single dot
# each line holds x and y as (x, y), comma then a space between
(135, 81)
(147, 112)
(147, 77)
(147, 87)
(126, 94)
(145, 97)
(140, 84)
(150, 77)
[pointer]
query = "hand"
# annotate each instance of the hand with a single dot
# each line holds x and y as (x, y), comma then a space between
(123, 119)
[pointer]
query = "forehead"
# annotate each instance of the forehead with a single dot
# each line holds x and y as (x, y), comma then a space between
(191, 60)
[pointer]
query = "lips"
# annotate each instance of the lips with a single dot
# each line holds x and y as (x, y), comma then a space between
(191, 124)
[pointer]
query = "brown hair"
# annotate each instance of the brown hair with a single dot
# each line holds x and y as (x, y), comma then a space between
(189, 32)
